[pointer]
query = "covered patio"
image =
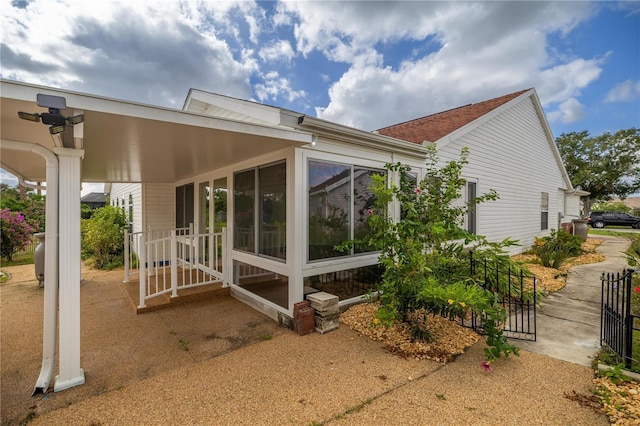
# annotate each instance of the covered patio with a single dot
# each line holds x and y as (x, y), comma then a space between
(118, 142)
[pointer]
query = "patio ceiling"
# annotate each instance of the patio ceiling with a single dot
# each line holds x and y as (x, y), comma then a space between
(129, 142)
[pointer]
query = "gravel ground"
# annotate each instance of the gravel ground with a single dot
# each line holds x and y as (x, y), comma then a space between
(138, 372)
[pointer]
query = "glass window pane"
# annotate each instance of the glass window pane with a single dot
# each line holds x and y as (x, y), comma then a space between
(329, 208)
(472, 214)
(203, 201)
(220, 203)
(410, 183)
(184, 205)
(244, 194)
(363, 201)
(273, 211)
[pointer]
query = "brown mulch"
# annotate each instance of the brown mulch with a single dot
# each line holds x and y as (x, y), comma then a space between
(621, 401)
(550, 280)
(448, 339)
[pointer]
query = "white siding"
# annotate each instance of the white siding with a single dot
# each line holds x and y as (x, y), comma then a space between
(572, 208)
(122, 191)
(159, 206)
(510, 153)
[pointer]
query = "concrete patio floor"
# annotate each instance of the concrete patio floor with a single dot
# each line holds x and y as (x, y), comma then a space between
(118, 347)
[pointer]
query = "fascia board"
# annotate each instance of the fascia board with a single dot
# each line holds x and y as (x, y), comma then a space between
(551, 140)
(265, 113)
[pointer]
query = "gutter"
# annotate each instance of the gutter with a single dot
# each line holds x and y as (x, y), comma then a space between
(360, 137)
(50, 262)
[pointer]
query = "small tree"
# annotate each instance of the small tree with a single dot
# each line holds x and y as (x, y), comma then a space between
(16, 232)
(103, 237)
(425, 256)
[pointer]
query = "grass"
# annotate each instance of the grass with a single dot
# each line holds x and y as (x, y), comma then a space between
(612, 231)
(19, 258)
(184, 345)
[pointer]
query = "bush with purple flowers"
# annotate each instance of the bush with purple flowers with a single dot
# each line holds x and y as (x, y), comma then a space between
(16, 232)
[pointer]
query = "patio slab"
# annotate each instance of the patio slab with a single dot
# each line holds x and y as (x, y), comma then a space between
(118, 347)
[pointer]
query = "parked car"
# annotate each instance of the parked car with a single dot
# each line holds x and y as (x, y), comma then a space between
(600, 219)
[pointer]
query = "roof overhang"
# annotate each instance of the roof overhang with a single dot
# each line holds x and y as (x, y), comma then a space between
(352, 136)
(131, 142)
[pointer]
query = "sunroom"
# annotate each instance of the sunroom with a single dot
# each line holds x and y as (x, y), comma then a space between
(270, 222)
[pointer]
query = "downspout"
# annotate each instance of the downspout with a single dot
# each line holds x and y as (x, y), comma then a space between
(50, 262)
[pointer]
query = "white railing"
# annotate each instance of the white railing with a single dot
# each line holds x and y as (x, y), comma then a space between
(167, 261)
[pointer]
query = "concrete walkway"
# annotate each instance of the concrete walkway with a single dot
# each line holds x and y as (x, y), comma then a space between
(568, 322)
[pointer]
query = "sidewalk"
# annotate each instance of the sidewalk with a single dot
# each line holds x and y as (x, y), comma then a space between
(568, 322)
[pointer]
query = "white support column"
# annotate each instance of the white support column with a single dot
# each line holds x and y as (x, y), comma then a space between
(69, 263)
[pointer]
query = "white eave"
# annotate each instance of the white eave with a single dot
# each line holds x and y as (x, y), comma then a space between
(132, 142)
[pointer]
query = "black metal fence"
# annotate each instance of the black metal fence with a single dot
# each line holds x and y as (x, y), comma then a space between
(517, 292)
(617, 323)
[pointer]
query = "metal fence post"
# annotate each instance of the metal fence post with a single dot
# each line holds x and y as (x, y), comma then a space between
(602, 277)
(628, 321)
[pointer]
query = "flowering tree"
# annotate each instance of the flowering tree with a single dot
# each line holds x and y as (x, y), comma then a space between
(425, 253)
(16, 232)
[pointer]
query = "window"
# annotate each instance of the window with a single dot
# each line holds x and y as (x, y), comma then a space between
(472, 213)
(220, 203)
(544, 214)
(184, 206)
(244, 200)
(273, 211)
(261, 190)
(130, 208)
(203, 202)
(339, 200)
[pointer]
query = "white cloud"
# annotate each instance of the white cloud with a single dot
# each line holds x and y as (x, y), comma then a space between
(151, 51)
(88, 188)
(277, 50)
(276, 87)
(473, 51)
(626, 91)
(568, 111)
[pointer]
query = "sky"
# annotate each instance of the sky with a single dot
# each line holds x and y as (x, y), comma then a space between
(366, 64)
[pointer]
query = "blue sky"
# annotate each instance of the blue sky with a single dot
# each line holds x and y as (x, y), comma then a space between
(364, 64)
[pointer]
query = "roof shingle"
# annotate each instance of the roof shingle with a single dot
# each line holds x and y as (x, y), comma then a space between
(433, 127)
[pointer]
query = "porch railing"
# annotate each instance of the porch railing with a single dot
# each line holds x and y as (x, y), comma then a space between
(169, 260)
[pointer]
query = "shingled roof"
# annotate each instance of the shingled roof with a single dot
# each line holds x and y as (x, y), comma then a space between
(433, 127)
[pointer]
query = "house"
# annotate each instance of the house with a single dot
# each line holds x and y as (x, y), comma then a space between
(256, 196)
(94, 200)
(512, 151)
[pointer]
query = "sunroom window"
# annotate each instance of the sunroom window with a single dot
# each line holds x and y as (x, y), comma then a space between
(260, 220)
(339, 202)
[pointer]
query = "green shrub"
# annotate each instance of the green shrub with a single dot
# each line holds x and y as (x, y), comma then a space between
(555, 249)
(425, 255)
(103, 237)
